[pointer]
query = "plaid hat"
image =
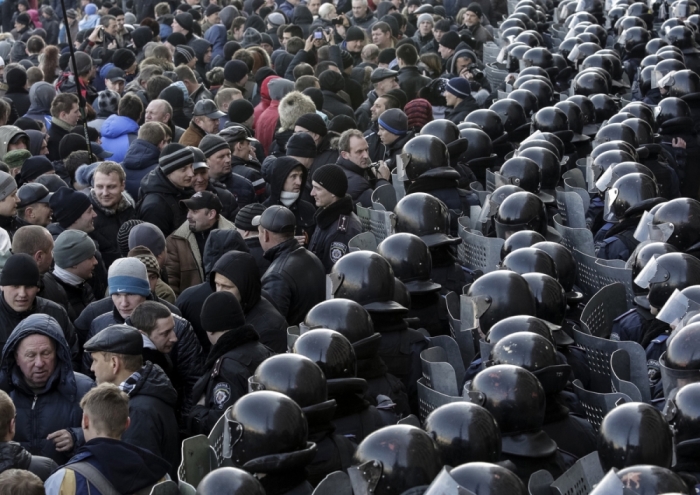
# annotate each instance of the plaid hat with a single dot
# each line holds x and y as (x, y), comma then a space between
(147, 234)
(355, 33)
(73, 247)
(68, 206)
(312, 122)
(211, 144)
(450, 40)
(128, 276)
(459, 87)
(185, 20)
(245, 216)
(235, 70)
(240, 110)
(426, 18)
(301, 145)
(251, 37)
(145, 256)
(419, 112)
(173, 157)
(107, 101)
(394, 121)
(332, 178)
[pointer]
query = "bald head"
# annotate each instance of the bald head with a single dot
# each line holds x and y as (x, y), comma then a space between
(37, 242)
(158, 111)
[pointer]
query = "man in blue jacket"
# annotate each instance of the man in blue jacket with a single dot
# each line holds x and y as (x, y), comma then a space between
(143, 154)
(119, 131)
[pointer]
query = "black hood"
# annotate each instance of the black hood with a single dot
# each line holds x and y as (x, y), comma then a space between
(155, 383)
(219, 243)
(302, 15)
(242, 270)
(277, 174)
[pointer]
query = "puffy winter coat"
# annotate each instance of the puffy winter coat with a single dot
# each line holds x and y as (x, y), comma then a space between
(159, 202)
(140, 159)
(118, 132)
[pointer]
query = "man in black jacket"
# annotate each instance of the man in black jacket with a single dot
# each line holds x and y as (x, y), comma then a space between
(458, 96)
(355, 161)
(296, 278)
(116, 358)
(112, 207)
(411, 80)
(336, 222)
(219, 157)
(250, 233)
(164, 187)
(235, 354)
(74, 254)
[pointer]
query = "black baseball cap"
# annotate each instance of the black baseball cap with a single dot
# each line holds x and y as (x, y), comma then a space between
(116, 74)
(277, 219)
(32, 193)
(203, 199)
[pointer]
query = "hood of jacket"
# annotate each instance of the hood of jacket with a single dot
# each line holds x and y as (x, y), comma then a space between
(302, 15)
(265, 89)
(13, 456)
(279, 88)
(153, 382)
(219, 243)
(36, 141)
(382, 10)
(227, 15)
(117, 125)
(200, 47)
(7, 132)
(277, 174)
(216, 35)
(141, 155)
(42, 324)
(127, 467)
(241, 269)
(462, 52)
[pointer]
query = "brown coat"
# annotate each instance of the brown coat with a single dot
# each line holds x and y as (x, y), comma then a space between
(192, 136)
(184, 263)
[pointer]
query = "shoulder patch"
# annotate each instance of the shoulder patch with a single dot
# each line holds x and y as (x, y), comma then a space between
(338, 250)
(342, 223)
(222, 393)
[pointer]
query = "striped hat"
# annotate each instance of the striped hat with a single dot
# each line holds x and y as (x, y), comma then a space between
(173, 157)
(143, 254)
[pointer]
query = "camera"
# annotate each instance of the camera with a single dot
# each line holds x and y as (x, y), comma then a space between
(477, 75)
(318, 33)
(338, 21)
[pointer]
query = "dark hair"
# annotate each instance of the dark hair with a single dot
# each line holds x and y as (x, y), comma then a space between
(131, 106)
(303, 69)
(146, 315)
(156, 84)
(295, 44)
(294, 30)
(408, 54)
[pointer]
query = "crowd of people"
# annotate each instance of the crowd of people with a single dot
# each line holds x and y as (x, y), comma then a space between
(349, 245)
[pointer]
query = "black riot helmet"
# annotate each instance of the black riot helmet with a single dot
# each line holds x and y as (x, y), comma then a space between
(551, 119)
(514, 52)
(598, 30)
(293, 375)
(619, 118)
(522, 239)
(542, 91)
(229, 481)
(641, 111)
(529, 260)
(564, 262)
(410, 259)
(522, 172)
(667, 273)
(678, 223)
(527, 100)
(590, 83)
(490, 208)
(640, 480)
(348, 318)
(589, 38)
(618, 170)
(550, 297)
(538, 57)
(548, 164)
(670, 65)
(630, 195)
(540, 143)
(596, 70)
(685, 418)
(394, 459)
(681, 37)
(424, 153)
(611, 153)
(550, 138)
(587, 112)
(268, 424)
(516, 400)
(627, 22)
(366, 278)
(614, 15)
(634, 37)
(488, 120)
(330, 351)
(634, 433)
(642, 257)
(605, 107)
(520, 323)
(616, 132)
(464, 432)
(477, 478)
(653, 45)
(498, 295)
(567, 46)
(642, 129)
(447, 132)
(574, 115)
(683, 83)
(513, 22)
(530, 38)
(680, 365)
(521, 211)
(511, 113)
(534, 71)
(671, 53)
(597, 61)
(480, 145)
(641, 10)
(671, 108)
(425, 216)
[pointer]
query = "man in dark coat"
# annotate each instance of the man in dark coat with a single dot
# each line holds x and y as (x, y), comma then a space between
(459, 97)
(235, 354)
(355, 161)
(116, 358)
(332, 82)
(47, 396)
(296, 278)
(164, 187)
(336, 222)
(411, 80)
(219, 159)
(250, 234)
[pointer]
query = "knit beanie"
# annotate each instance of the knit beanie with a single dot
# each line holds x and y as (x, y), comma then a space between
(147, 234)
(235, 70)
(240, 110)
(34, 167)
(211, 144)
(399, 95)
(426, 18)
(301, 145)
(476, 8)
(342, 123)
(221, 311)
(72, 247)
(387, 56)
(316, 96)
(128, 276)
(251, 37)
(174, 157)
(16, 158)
(332, 178)
(123, 58)
(332, 81)
(312, 122)
(107, 102)
(185, 20)
(276, 19)
(459, 87)
(450, 40)
(68, 206)
(354, 33)
(177, 39)
(145, 256)
(244, 218)
(123, 235)
(183, 55)
(211, 9)
(20, 269)
(70, 143)
(394, 121)
(419, 112)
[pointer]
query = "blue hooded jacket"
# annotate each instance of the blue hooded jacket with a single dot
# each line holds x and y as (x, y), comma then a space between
(57, 406)
(216, 35)
(117, 134)
(141, 158)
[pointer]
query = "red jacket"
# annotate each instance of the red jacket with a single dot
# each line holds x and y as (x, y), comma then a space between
(264, 100)
(266, 125)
